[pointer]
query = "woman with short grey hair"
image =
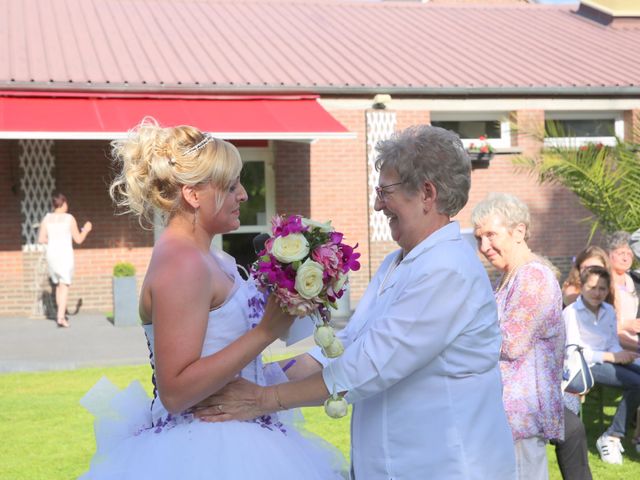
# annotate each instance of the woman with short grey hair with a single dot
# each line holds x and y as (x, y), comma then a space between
(429, 154)
(626, 298)
(421, 351)
(530, 315)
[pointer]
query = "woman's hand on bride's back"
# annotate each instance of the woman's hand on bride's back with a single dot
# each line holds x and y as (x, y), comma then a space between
(274, 320)
(238, 400)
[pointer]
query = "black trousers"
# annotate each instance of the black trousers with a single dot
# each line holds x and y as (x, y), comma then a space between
(572, 452)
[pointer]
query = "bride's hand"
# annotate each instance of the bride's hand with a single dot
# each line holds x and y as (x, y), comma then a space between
(275, 321)
(238, 400)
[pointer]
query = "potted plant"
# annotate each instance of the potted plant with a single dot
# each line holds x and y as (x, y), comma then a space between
(125, 295)
(480, 151)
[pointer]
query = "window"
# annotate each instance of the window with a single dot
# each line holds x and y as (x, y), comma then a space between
(581, 128)
(472, 125)
(473, 129)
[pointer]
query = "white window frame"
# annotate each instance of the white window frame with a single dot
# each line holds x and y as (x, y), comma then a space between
(574, 142)
(503, 117)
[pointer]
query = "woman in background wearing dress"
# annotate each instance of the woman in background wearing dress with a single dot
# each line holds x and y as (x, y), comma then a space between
(530, 314)
(58, 229)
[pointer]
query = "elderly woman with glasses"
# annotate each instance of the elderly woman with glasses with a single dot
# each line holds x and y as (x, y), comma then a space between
(530, 312)
(421, 360)
(626, 297)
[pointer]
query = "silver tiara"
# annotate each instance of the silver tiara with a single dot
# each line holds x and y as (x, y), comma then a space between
(201, 144)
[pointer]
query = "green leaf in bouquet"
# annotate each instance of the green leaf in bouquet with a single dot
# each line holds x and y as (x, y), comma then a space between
(296, 264)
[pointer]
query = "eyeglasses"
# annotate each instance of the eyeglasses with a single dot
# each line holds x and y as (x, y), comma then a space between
(381, 193)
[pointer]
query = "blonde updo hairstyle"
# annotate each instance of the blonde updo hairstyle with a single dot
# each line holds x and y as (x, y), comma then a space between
(154, 163)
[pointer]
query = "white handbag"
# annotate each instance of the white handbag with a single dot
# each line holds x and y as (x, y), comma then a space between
(576, 375)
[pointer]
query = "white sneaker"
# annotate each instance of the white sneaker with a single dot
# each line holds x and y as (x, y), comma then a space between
(610, 449)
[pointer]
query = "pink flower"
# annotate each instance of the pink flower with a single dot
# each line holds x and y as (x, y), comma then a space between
(349, 258)
(294, 303)
(271, 273)
(284, 226)
(327, 255)
(336, 237)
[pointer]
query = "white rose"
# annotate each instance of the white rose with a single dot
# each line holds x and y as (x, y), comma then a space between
(324, 336)
(335, 406)
(323, 227)
(335, 349)
(291, 248)
(309, 279)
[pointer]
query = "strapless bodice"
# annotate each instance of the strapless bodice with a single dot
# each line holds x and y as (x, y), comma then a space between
(241, 311)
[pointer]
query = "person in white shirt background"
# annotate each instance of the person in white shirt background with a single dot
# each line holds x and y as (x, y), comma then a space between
(421, 351)
(591, 323)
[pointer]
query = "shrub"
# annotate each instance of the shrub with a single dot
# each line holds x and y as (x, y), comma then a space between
(124, 269)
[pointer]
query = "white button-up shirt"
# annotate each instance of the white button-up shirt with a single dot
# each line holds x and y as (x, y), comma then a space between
(596, 334)
(421, 369)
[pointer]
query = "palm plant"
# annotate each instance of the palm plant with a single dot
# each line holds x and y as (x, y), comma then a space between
(606, 179)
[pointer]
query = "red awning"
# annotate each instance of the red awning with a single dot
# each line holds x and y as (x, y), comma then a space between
(78, 116)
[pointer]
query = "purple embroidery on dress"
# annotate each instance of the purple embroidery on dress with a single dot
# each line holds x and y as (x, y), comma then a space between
(167, 422)
(256, 304)
(266, 421)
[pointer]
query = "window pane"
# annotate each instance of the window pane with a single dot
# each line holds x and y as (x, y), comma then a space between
(253, 211)
(581, 128)
(473, 129)
(240, 245)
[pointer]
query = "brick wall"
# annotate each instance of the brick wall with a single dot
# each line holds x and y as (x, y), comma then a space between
(632, 125)
(338, 189)
(83, 174)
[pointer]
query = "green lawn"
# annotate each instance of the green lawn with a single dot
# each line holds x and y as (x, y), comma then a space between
(46, 434)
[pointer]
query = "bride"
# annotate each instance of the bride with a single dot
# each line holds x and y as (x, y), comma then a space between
(204, 324)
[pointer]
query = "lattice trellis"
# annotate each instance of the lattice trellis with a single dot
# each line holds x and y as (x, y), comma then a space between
(380, 126)
(37, 183)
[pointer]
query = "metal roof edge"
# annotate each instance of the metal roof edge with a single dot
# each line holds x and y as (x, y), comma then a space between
(498, 91)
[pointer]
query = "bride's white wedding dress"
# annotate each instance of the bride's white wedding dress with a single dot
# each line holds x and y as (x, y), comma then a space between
(138, 439)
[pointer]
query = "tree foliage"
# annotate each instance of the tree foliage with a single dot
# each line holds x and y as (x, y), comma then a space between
(606, 179)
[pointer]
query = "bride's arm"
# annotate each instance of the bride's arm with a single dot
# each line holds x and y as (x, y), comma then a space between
(181, 296)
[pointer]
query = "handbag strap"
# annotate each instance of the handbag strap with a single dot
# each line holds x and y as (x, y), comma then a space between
(578, 347)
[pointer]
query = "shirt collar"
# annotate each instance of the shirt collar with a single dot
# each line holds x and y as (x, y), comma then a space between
(581, 306)
(451, 231)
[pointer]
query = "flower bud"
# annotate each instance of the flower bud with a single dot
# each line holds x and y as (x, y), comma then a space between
(336, 406)
(324, 336)
(335, 349)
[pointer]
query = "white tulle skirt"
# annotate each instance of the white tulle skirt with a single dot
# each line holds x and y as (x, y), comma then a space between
(129, 447)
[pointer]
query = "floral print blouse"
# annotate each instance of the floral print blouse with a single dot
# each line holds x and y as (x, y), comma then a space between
(530, 313)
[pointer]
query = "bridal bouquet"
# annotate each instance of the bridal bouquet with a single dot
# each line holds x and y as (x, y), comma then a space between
(305, 265)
